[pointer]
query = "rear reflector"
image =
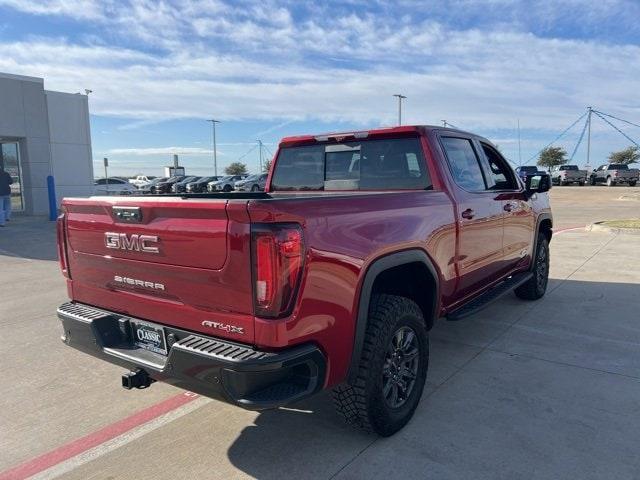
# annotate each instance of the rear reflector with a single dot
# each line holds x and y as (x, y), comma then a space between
(278, 254)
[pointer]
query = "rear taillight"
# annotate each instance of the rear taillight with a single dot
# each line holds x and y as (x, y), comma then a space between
(62, 245)
(278, 256)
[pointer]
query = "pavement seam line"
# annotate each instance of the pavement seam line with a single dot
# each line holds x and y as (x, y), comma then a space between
(422, 399)
(560, 283)
(464, 365)
(558, 362)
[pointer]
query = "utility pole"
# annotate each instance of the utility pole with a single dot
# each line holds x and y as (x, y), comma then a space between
(400, 98)
(589, 137)
(260, 154)
(215, 153)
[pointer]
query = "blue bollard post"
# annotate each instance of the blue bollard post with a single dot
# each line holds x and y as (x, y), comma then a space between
(53, 205)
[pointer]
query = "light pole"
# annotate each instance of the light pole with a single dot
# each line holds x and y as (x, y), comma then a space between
(260, 154)
(105, 161)
(400, 98)
(215, 154)
(589, 137)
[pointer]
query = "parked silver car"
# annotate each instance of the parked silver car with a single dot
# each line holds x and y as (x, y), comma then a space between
(225, 184)
(253, 183)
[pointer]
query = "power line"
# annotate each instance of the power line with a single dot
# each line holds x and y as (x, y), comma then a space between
(247, 153)
(620, 131)
(559, 136)
(268, 150)
(584, 129)
(616, 118)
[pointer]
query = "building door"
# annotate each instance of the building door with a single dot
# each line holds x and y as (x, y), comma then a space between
(10, 162)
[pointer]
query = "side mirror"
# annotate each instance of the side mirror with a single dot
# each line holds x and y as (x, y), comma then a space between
(538, 183)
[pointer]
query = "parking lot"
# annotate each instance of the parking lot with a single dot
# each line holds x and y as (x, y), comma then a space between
(548, 389)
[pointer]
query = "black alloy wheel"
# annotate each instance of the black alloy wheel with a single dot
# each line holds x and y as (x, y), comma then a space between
(400, 367)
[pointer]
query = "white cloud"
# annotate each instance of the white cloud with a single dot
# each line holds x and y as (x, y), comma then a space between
(79, 9)
(253, 60)
(143, 152)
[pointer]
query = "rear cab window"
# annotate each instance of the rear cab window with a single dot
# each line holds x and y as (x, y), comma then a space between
(385, 164)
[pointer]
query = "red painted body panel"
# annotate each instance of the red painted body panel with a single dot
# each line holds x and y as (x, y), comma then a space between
(344, 235)
(205, 260)
(217, 238)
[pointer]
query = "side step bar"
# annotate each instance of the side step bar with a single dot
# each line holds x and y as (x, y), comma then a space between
(490, 296)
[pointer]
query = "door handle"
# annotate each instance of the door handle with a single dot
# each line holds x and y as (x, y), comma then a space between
(507, 207)
(468, 214)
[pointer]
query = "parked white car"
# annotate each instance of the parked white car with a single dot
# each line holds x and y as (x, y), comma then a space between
(113, 186)
(141, 180)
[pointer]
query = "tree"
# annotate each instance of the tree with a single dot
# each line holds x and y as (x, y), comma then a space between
(552, 156)
(236, 168)
(626, 156)
(266, 166)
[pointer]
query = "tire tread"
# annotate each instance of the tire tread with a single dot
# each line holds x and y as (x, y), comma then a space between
(351, 400)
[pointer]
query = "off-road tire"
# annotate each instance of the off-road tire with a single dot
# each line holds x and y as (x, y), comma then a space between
(632, 184)
(581, 184)
(362, 403)
(593, 182)
(610, 182)
(536, 286)
(255, 188)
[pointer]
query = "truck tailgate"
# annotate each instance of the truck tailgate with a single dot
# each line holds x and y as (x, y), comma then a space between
(179, 262)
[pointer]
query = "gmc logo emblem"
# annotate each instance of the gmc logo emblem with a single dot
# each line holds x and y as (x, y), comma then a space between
(135, 242)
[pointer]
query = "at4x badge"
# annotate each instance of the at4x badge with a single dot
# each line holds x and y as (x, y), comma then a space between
(223, 326)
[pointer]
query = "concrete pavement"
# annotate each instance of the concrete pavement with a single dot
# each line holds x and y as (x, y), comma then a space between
(546, 389)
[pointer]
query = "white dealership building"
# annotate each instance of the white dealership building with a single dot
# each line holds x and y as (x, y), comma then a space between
(43, 133)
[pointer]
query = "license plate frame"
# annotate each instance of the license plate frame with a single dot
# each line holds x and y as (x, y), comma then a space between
(149, 337)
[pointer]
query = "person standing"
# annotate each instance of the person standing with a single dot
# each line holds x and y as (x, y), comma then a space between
(5, 196)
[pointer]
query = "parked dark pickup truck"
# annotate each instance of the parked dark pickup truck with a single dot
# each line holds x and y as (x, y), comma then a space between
(330, 279)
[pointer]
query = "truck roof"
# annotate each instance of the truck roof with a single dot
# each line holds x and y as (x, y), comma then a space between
(371, 133)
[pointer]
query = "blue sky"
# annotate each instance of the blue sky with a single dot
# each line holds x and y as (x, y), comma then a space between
(272, 68)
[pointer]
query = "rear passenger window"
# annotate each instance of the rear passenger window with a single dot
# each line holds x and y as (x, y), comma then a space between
(464, 164)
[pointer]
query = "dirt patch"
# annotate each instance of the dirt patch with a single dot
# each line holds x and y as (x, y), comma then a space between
(630, 196)
(631, 226)
(633, 223)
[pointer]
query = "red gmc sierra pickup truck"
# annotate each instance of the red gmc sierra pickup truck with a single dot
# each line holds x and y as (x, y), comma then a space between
(330, 279)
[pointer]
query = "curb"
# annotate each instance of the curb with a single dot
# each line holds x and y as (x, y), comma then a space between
(599, 227)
